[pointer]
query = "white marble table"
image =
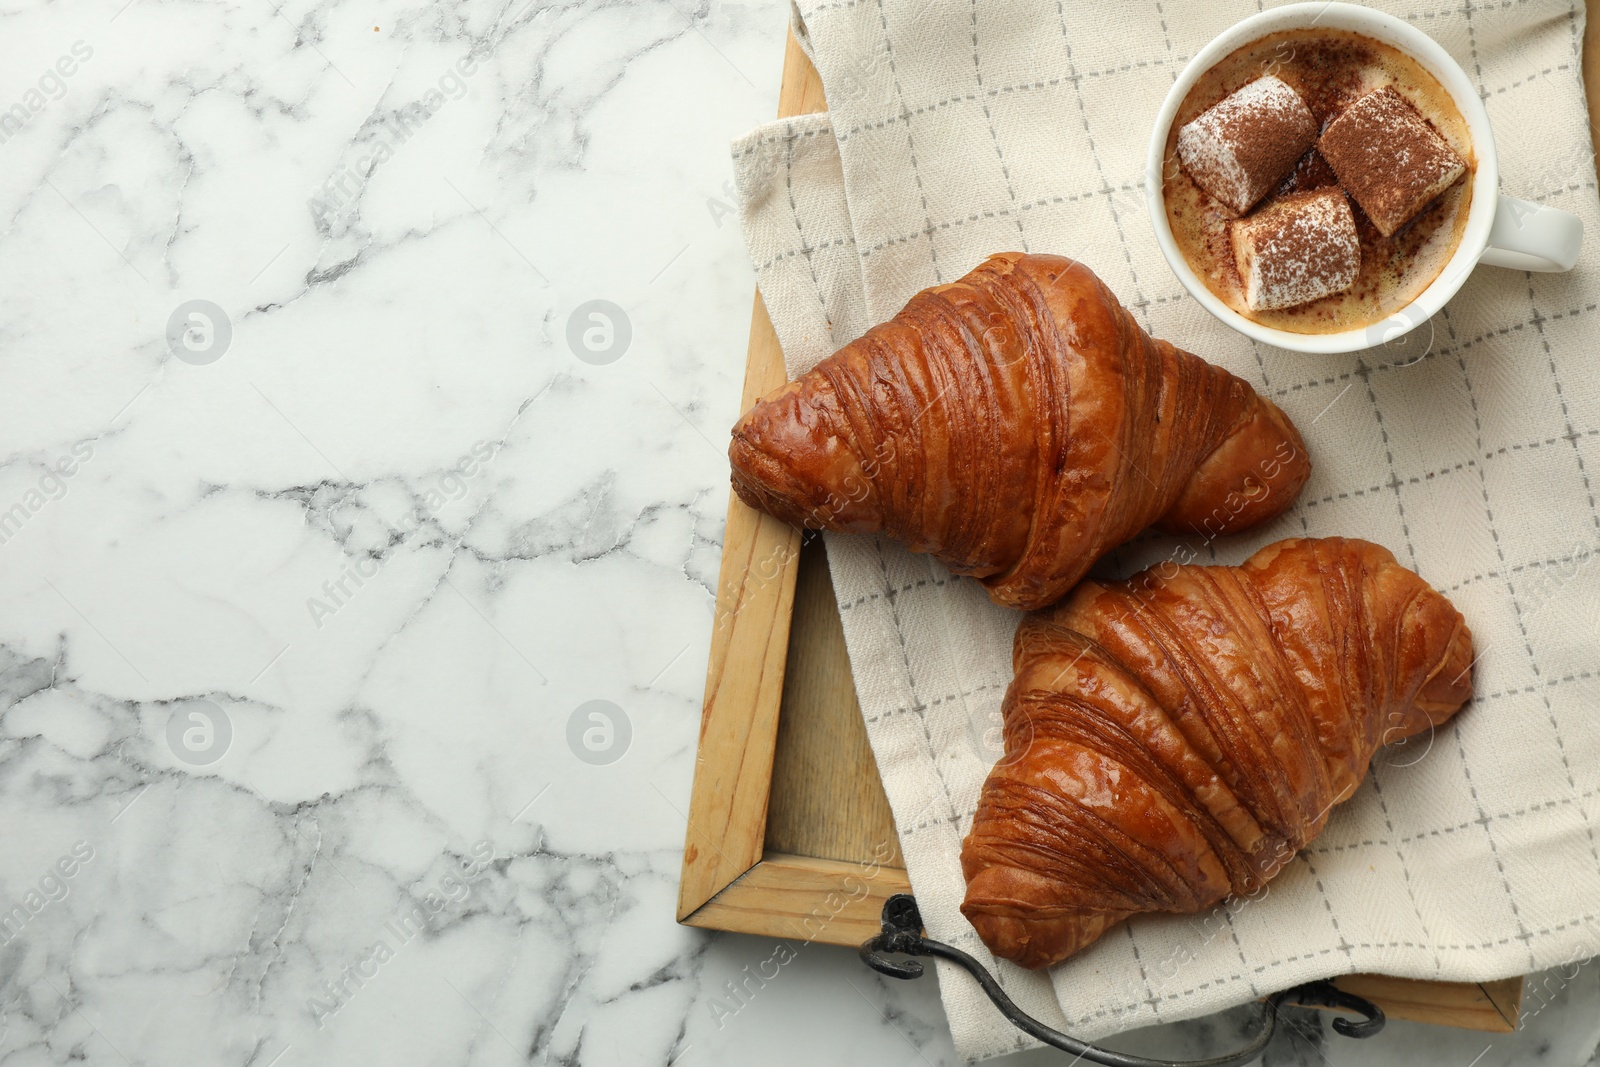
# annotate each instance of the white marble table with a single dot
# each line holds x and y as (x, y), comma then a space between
(326, 511)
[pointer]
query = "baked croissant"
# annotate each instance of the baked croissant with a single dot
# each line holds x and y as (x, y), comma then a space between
(1177, 737)
(1017, 425)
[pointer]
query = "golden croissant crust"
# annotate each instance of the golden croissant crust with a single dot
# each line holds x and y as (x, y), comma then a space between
(1017, 425)
(1177, 737)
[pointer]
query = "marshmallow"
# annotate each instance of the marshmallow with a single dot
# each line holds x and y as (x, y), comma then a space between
(1238, 149)
(1389, 158)
(1298, 248)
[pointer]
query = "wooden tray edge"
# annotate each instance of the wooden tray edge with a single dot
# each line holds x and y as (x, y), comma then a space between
(749, 642)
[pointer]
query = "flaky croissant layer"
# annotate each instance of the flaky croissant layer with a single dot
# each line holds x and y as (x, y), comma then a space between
(1175, 738)
(1017, 425)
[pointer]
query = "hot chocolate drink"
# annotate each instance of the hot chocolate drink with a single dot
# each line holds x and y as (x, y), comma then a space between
(1354, 120)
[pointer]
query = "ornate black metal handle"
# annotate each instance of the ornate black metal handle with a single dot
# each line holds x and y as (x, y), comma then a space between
(902, 934)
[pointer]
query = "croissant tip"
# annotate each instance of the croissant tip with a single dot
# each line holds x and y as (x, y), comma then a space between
(1451, 685)
(792, 458)
(1034, 943)
(1007, 937)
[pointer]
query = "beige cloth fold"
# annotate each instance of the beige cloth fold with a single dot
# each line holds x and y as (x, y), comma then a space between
(960, 129)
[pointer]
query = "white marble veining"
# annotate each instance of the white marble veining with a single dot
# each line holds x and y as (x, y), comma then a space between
(299, 598)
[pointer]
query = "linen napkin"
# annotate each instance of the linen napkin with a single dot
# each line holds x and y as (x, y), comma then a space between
(1471, 449)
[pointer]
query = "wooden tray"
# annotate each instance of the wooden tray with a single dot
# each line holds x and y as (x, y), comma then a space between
(790, 834)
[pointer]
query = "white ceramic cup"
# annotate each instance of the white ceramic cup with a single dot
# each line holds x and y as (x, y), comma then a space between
(1500, 230)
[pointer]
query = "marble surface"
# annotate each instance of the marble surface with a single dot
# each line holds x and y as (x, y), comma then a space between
(365, 371)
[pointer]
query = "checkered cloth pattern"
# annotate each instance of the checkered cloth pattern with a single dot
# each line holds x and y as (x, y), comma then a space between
(1471, 449)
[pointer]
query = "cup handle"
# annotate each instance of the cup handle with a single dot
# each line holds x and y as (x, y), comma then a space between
(1528, 236)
